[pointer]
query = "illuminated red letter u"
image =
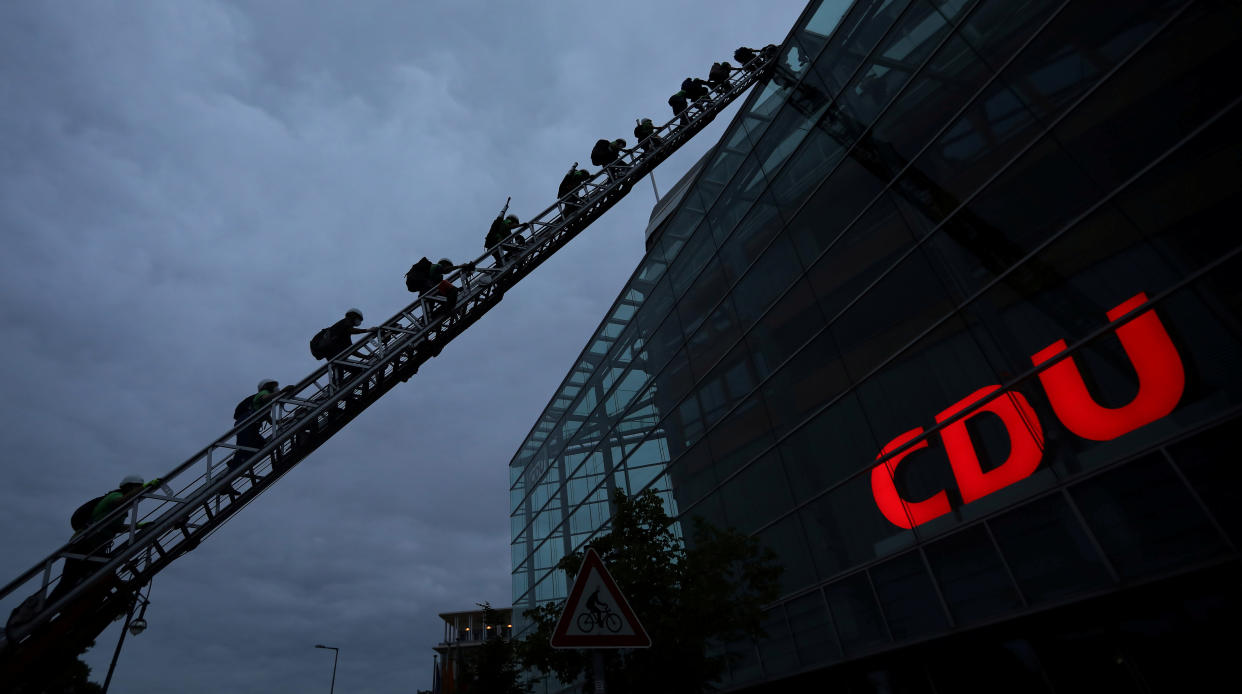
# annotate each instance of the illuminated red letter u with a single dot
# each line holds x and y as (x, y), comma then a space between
(1160, 375)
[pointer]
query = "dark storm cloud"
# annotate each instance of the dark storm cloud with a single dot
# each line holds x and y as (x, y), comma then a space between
(188, 190)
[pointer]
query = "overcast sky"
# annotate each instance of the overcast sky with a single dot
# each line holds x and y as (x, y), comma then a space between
(190, 189)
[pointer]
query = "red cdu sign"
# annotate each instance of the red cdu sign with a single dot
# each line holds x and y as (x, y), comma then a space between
(601, 619)
(1161, 379)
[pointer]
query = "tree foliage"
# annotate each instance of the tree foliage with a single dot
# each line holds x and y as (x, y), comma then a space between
(492, 668)
(692, 597)
(63, 673)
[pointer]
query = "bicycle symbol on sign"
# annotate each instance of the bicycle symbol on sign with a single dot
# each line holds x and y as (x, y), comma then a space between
(600, 614)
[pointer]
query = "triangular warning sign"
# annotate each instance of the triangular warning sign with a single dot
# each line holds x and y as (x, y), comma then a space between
(596, 614)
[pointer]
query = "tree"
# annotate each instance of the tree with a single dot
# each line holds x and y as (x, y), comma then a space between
(63, 673)
(492, 668)
(692, 598)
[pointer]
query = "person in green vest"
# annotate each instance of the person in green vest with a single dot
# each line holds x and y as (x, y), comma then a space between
(94, 542)
(500, 230)
(644, 130)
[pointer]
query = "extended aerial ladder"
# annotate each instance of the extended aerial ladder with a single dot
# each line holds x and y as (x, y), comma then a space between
(65, 610)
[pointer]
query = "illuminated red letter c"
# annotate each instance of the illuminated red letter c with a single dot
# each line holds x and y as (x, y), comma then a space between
(899, 512)
(1160, 375)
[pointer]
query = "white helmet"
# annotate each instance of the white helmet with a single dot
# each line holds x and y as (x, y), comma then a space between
(266, 381)
(356, 312)
(131, 479)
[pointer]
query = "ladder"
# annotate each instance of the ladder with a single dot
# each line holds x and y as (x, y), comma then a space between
(62, 613)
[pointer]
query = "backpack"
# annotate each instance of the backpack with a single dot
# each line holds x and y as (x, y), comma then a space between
(81, 518)
(320, 346)
(419, 277)
(601, 153)
(572, 180)
(245, 407)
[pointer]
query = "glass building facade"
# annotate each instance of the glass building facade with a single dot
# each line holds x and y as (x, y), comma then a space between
(951, 319)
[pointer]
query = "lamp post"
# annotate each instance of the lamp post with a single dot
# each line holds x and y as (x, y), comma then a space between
(336, 652)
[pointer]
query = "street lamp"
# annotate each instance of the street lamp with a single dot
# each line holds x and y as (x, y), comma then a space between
(336, 652)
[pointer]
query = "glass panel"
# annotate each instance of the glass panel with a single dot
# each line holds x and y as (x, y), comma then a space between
(740, 436)
(952, 76)
(737, 198)
(744, 663)
(727, 158)
(1145, 519)
(1047, 550)
(907, 301)
(996, 31)
(692, 475)
(694, 256)
(750, 238)
(858, 33)
(1180, 202)
(972, 577)
(1085, 41)
(731, 380)
(826, 17)
(717, 335)
(811, 378)
(812, 629)
(899, 53)
(787, 540)
(757, 495)
(1209, 461)
(845, 528)
(664, 341)
(701, 297)
(766, 280)
(856, 613)
(779, 654)
(907, 597)
(673, 382)
(866, 250)
(806, 105)
(941, 369)
(994, 128)
(1010, 216)
(835, 204)
(835, 444)
(785, 328)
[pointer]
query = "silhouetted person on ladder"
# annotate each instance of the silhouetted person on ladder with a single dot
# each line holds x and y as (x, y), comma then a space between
(605, 154)
(337, 338)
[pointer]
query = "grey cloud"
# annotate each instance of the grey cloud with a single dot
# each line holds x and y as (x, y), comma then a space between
(189, 190)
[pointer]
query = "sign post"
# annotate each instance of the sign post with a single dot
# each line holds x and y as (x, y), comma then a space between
(597, 616)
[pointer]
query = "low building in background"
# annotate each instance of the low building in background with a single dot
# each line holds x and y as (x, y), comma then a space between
(950, 319)
(464, 632)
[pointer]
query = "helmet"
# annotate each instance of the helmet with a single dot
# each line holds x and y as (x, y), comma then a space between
(356, 312)
(512, 218)
(619, 142)
(444, 261)
(131, 479)
(647, 121)
(266, 381)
